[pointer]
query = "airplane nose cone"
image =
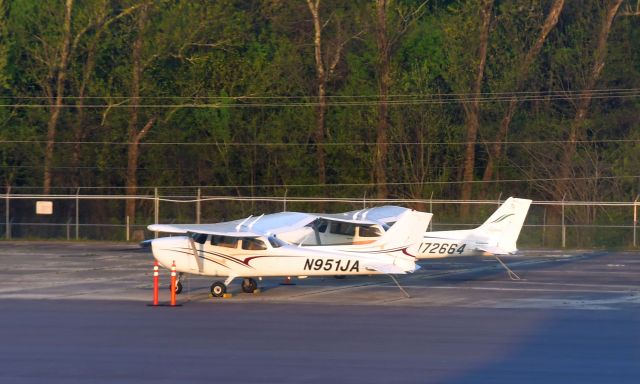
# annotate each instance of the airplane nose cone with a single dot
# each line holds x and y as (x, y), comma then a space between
(167, 249)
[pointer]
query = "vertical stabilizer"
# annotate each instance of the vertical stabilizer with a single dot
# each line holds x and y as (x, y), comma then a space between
(505, 224)
(407, 231)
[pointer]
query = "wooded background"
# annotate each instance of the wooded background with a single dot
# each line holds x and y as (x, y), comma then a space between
(463, 99)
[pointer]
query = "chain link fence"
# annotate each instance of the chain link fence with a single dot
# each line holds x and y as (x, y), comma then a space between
(551, 224)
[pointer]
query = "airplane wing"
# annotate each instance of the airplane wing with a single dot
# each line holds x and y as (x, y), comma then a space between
(341, 218)
(231, 234)
(389, 269)
(385, 213)
(272, 223)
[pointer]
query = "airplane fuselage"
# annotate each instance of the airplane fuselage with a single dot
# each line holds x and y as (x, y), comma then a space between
(288, 260)
(447, 244)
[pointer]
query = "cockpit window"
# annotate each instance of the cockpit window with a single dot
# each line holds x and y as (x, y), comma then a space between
(322, 225)
(343, 228)
(252, 244)
(224, 241)
(370, 231)
(275, 242)
(199, 238)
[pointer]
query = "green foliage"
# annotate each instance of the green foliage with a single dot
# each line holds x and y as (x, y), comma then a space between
(232, 77)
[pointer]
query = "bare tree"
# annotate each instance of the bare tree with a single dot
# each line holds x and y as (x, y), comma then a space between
(100, 24)
(385, 41)
(384, 83)
(59, 72)
(524, 69)
(135, 134)
(577, 126)
(326, 60)
(472, 108)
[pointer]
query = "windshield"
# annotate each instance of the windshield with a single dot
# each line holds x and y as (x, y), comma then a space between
(252, 244)
(275, 242)
(199, 238)
(370, 231)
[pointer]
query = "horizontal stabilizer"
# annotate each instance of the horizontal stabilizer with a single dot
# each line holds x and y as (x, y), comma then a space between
(389, 269)
(493, 250)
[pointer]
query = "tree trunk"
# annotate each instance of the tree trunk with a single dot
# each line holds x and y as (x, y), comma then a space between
(495, 154)
(79, 129)
(321, 78)
(472, 109)
(384, 83)
(576, 129)
(131, 181)
(59, 95)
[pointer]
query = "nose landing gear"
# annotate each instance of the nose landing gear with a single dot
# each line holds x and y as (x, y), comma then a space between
(218, 289)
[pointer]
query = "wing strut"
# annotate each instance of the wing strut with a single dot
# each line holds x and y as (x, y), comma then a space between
(512, 275)
(199, 262)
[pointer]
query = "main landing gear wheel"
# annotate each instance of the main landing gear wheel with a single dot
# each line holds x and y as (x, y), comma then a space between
(218, 289)
(249, 285)
(178, 288)
(178, 284)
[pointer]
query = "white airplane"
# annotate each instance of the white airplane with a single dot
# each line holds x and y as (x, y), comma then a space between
(235, 250)
(497, 235)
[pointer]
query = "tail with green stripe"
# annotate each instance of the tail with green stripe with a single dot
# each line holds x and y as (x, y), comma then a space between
(505, 223)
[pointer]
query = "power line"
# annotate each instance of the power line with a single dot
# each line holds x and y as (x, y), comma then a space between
(423, 183)
(280, 97)
(339, 144)
(361, 100)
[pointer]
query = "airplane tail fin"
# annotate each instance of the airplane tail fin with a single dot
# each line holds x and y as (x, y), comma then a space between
(407, 231)
(505, 225)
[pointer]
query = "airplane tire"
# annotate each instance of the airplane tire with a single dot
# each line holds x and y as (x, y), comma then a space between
(218, 289)
(178, 287)
(249, 285)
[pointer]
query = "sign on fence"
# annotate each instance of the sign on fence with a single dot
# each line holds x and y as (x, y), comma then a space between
(44, 207)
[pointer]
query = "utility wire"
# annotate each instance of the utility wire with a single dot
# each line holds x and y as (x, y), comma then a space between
(247, 102)
(339, 144)
(244, 186)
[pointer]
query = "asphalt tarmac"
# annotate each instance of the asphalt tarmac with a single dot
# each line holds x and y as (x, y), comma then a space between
(77, 313)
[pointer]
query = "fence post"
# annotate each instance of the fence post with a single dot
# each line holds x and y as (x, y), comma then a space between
(78, 214)
(127, 229)
(285, 200)
(7, 215)
(564, 228)
(68, 229)
(635, 220)
(544, 225)
(198, 208)
(156, 209)
(431, 210)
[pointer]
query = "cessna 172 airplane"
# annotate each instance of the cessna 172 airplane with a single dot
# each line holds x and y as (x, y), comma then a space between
(239, 250)
(497, 235)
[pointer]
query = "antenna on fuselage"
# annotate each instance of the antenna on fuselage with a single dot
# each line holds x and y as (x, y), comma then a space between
(255, 221)
(242, 223)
